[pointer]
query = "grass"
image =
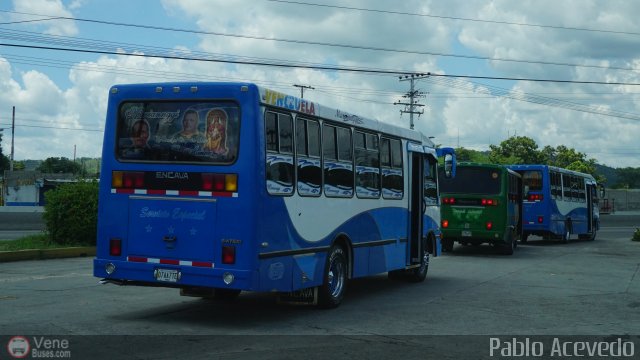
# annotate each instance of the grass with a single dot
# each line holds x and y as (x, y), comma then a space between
(39, 241)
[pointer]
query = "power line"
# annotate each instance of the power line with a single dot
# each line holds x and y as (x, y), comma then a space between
(53, 127)
(535, 99)
(329, 44)
(309, 67)
(557, 27)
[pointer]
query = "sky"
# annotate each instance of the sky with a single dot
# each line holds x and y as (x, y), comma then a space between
(562, 72)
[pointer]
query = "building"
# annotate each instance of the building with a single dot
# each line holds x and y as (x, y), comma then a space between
(27, 188)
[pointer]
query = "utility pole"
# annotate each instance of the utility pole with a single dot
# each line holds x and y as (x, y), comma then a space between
(412, 95)
(302, 87)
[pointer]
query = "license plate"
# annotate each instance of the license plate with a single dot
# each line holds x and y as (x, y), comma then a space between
(466, 233)
(167, 275)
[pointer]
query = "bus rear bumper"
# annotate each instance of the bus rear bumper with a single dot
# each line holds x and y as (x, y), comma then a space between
(121, 272)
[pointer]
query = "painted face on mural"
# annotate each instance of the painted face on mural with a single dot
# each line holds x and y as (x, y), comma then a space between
(140, 134)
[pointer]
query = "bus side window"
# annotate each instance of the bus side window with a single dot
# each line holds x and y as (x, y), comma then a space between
(337, 152)
(279, 167)
(309, 170)
(566, 185)
(392, 170)
(367, 157)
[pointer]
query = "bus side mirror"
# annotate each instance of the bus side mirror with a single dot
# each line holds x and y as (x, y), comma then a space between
(448, 165)
(526, 190)
(449, 161)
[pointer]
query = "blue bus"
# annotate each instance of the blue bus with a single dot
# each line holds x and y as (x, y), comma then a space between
(558, 202)
(218, 188)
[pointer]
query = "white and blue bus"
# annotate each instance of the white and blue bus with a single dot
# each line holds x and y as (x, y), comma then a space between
(216, 188)
(558, 202)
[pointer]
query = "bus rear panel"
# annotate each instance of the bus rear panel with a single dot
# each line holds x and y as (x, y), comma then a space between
(171, 190)
(481, 205)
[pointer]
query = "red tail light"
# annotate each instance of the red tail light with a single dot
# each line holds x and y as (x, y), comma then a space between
(489, 225)
(535, 197)
(449, 201)
(228, 254)
(219, 182)
(115, 247)
(489, 202)
(127, 179)
(540, 219)
(445, 223)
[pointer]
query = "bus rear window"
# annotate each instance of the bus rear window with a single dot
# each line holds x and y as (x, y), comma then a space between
(471, 180)
(173, 131)
(532, 179)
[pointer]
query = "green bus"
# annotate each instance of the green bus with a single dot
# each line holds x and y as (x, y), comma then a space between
(482, 204)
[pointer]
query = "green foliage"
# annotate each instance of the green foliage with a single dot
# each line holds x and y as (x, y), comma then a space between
(71, 213)
(636, 235)
(31, 242)
(524, 150)
(468, 155)
(629, 178)
(516, 150)
(59, 165)
(18, 165)
(4, 161)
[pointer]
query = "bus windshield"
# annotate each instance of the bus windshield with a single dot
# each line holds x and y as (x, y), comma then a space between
(471, 180)
(175, 131)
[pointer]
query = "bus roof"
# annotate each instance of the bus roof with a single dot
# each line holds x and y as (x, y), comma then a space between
(487, 165)
(523, 167)
(305, 106)
(275, 99)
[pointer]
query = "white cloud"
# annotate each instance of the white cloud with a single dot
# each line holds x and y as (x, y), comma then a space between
(50, 8)
(467, 114)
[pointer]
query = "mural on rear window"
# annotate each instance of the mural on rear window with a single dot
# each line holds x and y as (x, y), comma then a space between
(178, 132)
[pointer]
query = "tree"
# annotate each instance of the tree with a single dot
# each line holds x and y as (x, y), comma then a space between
(516, 150)
(571, 159)
(4, 161)
(469, 155)
(59, 165)
(628, 177)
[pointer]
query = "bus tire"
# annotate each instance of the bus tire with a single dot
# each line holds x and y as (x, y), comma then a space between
(509, 246)
(589, 236)
(524, 237)
(420, 273)
(447, 245)
(226, 294)
(331, 292)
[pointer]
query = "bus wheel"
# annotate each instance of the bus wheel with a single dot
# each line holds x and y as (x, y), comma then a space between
(524, 237)
(420, 273)
(332, 291)
(510, 244)
(226, 294)
(447, 245)
(590, 236)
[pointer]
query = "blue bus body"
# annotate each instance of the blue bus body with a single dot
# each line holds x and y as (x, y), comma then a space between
(264, 206)
(558, 202)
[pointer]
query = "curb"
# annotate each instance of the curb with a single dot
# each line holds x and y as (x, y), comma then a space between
(43, 254)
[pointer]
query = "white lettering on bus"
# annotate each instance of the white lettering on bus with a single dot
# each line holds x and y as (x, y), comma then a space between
(145, 212)
(182, 215)
(171, 175)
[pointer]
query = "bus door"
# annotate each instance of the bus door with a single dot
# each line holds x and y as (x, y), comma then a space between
(416, 207)
(591, 189)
